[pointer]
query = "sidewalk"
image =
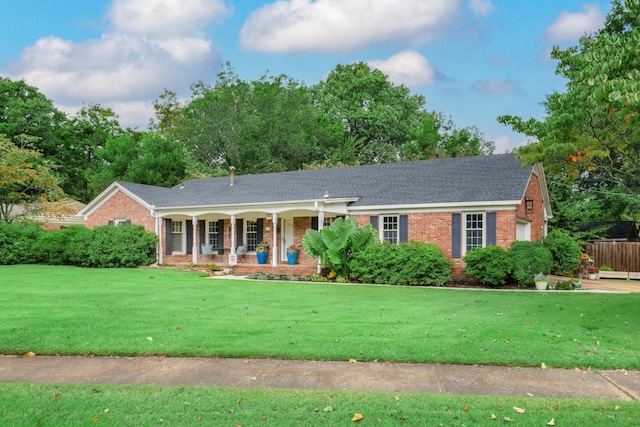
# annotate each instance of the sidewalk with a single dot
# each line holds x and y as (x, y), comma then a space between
(294, 374)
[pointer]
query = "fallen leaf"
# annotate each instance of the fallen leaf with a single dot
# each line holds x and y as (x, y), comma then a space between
(95, 419)
(493, 416)
(465, 409)
(357, 417)
(518, 410)
(106, 410)
(543, 366)
(508, 340)
(179, 328)
(30, 354)
(617, 408)
(352, 361)
(55, 394)
(149, 339)
(328, 409)
(552, 422)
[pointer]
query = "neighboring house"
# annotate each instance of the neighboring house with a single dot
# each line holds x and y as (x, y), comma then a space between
(458, 203)
(56, 215)
(613, 231)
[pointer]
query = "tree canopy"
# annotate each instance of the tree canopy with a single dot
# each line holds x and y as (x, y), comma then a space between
(589, 140)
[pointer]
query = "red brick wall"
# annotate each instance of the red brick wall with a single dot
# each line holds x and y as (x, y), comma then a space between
(536, 218)
(121, 206)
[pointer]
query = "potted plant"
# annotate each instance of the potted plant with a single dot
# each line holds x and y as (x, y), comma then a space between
(292, 254)
(541, 281)
(261, 252)
(592, 273)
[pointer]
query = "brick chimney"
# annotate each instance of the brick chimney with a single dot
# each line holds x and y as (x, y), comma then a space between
(231, 175)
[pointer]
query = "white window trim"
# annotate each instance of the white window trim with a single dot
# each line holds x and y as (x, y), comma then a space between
(119, 221)
(381, 227)
(464, 229)
(207, 234)
(183, 237)
(245, 232)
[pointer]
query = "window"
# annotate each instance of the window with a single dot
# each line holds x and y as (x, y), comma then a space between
(328, 220)
(119, 221)
(176, 236)
(474, 230)
(252, 235)
(212, 234)
(390, 229)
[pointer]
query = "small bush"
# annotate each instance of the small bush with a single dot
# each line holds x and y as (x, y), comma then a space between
(413, 263)
(17, 243)
(491, 265)
(54, 246)
(565, 252)
(528, 259)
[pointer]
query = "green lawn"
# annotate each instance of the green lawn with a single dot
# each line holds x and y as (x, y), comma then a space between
(53, 405)
(67, 310)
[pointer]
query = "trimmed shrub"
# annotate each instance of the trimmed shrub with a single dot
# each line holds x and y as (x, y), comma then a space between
(55, 247)
(565, 252)
(17, 243)
(118, 246)
(412, 263)
(528, 259)
(491, 265)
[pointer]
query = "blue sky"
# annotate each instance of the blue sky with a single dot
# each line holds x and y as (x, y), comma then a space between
(473, 60)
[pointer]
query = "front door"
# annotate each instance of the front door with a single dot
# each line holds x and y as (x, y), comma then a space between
(287, 237)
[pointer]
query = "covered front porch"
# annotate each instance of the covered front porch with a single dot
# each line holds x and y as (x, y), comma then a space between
(229, 237)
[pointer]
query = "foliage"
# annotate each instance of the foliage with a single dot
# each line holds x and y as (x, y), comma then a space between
(528, 259)
(55, 247)
(114, 246)
(564, 250)
(26, 179)
(412, 263)
(17, 242)
(490, 265)
(338, 243)
(262, 247)
(438, 137)
(590, 138)
(376, 115)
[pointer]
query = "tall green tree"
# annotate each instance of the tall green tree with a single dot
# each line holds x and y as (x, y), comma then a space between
(590, 138)
(26, 179)
(24, 110)
(377, 117)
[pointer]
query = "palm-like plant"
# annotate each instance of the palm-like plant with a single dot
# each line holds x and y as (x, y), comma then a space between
(337, 244)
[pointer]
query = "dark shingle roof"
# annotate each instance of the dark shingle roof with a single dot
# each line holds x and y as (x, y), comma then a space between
(458, 180)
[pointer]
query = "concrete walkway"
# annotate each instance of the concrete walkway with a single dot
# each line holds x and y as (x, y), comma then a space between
(293, 374)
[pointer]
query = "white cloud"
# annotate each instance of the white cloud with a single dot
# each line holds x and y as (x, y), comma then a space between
(494, 86)
(408, 68)
(164, 19)
(344, 25)
(481, 7)
(572, 26)
(153, 45)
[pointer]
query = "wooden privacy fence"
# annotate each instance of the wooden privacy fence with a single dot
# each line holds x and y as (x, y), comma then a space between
(621, 256)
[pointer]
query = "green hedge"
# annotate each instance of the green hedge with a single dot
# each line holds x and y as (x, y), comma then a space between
(412, 263)
(105, 246)
(565, 252)
(491, 265)
(528, 259)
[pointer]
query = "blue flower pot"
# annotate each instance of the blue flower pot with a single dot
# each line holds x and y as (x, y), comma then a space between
(292, 257)
(262, 257)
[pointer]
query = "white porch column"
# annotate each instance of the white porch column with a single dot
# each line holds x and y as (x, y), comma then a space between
(159, 251)
(320, 227)
(194, 249)
(274, 254)
(233, 258)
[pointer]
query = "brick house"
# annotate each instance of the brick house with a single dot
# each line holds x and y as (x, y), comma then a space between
(458, 203)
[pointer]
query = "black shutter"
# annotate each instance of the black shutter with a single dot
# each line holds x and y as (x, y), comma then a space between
(110, 222)
(374, 221)
(221, 237)
(404, 228)
(128, 222)
(491, 229)
(202, 229)
(259, 229)
(168, 241)
(239, 232)
(189, 236)
(456, 237)
(314, 222)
